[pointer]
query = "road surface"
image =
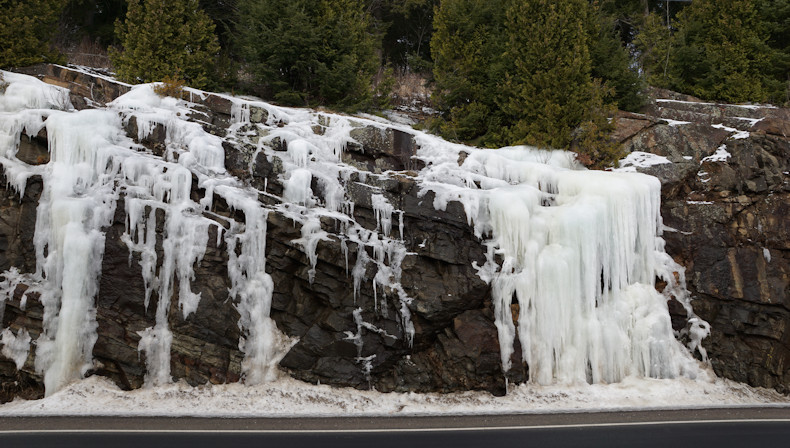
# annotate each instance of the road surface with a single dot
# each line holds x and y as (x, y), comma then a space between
(762, 427)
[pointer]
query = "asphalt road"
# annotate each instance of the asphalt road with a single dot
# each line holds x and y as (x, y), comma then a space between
(720, 428)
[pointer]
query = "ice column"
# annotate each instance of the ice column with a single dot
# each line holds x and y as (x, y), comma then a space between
(78, 200)
(252, 288)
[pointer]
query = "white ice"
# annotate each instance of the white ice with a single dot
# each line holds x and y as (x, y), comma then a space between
(15, 346)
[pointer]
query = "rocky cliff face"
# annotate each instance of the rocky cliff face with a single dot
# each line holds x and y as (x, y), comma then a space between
(730, 221)
(726, 200)
(339, 336)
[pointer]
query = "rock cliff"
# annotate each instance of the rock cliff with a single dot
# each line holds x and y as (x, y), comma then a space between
(316, 302)
(726, 201)
(727, 218)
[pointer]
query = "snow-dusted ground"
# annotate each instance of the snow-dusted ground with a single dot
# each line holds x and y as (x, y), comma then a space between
(287, 397)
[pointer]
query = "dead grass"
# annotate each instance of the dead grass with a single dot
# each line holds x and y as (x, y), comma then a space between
(170, 87)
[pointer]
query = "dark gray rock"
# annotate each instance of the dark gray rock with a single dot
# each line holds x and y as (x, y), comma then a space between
(382, 149)
(731, 232)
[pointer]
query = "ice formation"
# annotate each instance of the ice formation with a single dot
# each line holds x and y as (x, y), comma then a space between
(581, 251)
(578, 251)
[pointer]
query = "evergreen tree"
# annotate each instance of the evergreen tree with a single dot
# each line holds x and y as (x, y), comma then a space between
(409, 25)
(654, 44)
(775, 21)
(549, 91)
(468, 44)
(94, 19)
(26, 28)
(611, 61)
(721, 51)
(165, 39)
(523, 75)
(308, 52)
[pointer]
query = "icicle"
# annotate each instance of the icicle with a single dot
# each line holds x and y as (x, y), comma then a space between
(311, 235)
(77, 202)
(360, 267)
(239, 112)
(579, 250)
(299, 151)
(154, 186)
(383, 211)
(400, 224)
(583, 276)
(344, 249)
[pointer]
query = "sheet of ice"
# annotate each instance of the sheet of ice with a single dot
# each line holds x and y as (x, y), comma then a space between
(251, 287)
(297, 187)
(156, 187)
(27, 92)
(92, 163)
(291, 398)
(383, 211)
(77, 201)
(580, 250)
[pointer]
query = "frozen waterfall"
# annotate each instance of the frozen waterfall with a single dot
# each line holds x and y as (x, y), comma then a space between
(572, 255)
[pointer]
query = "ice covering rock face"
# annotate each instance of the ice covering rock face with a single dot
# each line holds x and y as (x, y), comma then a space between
(376, 276)
(731, 216)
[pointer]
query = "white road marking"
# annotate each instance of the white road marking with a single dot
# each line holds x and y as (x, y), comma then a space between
(346, 431)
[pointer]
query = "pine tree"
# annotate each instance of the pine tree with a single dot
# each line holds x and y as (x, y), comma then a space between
(165, 39)
(654, 44)
(467, 47)
(409, 26)
(722, 52)
(549, 91)
(523, 75)
(775, 21)
(26, 28)
(611, 61)
(309, 52)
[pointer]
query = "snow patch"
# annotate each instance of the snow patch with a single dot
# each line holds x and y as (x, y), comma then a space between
(736, 134)
(639, 159)
(721, 155)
